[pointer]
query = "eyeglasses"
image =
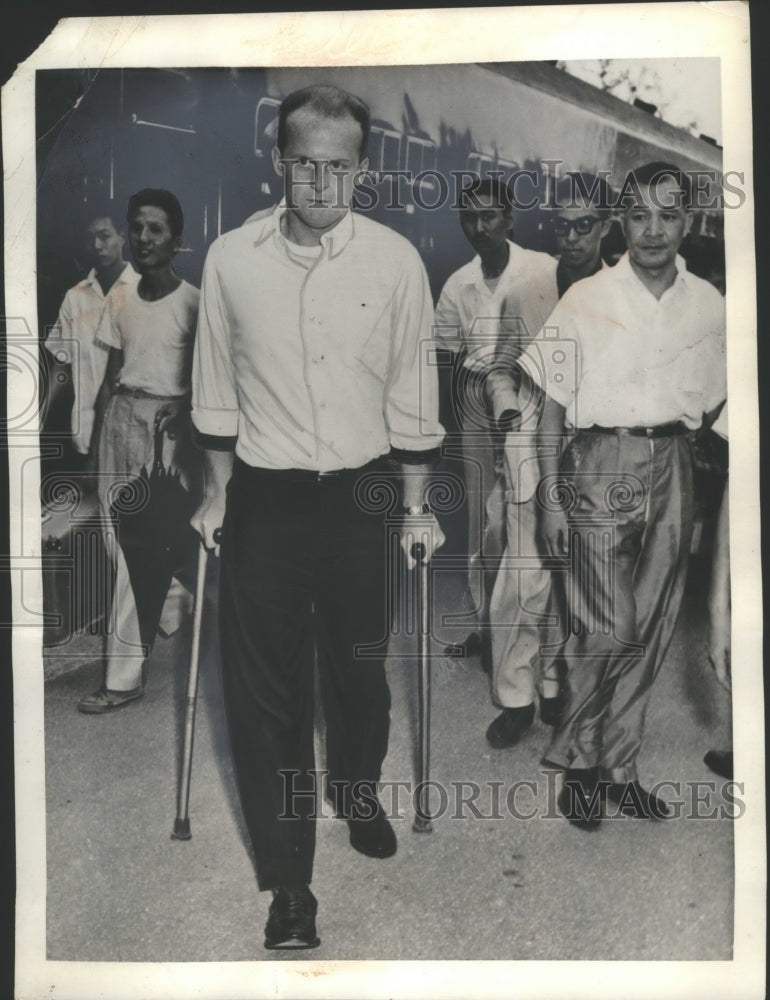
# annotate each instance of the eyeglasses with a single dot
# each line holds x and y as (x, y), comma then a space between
(582, 226)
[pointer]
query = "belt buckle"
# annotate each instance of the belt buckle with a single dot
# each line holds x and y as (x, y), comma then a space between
(650, 431)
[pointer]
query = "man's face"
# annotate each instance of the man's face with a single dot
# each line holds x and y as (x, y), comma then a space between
(104, 243)
(152, 242)
(655, 226)
(319, 165)
(579, 232)
(485, 226)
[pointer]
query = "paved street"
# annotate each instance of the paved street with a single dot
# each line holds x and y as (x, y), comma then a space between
(496, 880)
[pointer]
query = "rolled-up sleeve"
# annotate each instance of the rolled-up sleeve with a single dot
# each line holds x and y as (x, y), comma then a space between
(411, 393)
(214, 393)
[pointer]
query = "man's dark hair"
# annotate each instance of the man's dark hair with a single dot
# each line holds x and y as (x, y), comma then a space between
(158, 198)
(326, 101)
(650, 175)
(588, 187)
(487, 187)
(101, 208)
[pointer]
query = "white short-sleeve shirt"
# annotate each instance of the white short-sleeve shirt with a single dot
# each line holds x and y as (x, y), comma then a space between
(614, 355)
(71, 341)
(156, 338)
(469, 313)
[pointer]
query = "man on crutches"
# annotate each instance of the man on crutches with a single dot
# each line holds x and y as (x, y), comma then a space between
(310, 373)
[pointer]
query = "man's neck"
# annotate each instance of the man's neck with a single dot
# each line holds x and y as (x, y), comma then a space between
(495, 262)
(107, 276)
(656, 280)
(154, 285)
(295, 230)
(567, 276)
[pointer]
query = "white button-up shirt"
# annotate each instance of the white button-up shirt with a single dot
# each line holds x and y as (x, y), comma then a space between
(71, 341)
(614, 355)
(315, 359)
(468, 313)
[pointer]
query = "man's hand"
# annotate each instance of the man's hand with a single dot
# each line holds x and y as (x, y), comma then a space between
(718, 643)
(208, 519)
(168, 416)
(420, 529)
(720, 662)
(554, 532)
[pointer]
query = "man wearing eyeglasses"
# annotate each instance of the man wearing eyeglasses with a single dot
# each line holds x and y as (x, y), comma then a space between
(580, 223)
(519, 604)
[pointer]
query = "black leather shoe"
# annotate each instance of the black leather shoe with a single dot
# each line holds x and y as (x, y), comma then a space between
(510, 725)
(291, 920)
(720, 762)
(551, 709)
(580, 799)
(372, 835)
(634, 801)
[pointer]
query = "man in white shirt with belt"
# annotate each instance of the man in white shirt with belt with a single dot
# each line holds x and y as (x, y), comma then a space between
(467, 323)
(310, 362)
(632, 359)
(71, 341)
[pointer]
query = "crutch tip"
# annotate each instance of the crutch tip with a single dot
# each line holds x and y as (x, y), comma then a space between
(181, 829)
(422, 824)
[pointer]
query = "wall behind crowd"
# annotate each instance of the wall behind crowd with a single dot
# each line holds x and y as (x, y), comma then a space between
(206, 135)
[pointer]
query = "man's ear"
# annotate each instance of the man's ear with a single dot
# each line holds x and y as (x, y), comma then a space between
(606, 226)
(687, 222)
(363, 166)
(275, 155)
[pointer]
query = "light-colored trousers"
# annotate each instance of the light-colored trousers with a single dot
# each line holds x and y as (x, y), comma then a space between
(518, 611)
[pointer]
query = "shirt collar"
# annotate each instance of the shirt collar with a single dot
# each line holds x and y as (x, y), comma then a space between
(334, 241)
(476, 276)
(624, 270)
(126, 277)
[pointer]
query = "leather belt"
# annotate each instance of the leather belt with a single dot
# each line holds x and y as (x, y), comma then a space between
(252, 473)
(661, 430)
(127, 390)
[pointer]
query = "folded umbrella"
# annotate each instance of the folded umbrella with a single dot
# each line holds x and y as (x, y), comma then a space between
(155, 535)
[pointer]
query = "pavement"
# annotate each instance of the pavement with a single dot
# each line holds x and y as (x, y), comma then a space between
(503, 878)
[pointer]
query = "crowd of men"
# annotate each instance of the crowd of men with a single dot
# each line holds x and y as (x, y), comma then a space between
(304, 364)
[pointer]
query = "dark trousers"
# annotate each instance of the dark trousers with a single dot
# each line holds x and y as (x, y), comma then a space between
(630, 532)
(303, 567)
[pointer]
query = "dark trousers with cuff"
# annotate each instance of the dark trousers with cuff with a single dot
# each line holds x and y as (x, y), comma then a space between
(303, 568)
(630, 533)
